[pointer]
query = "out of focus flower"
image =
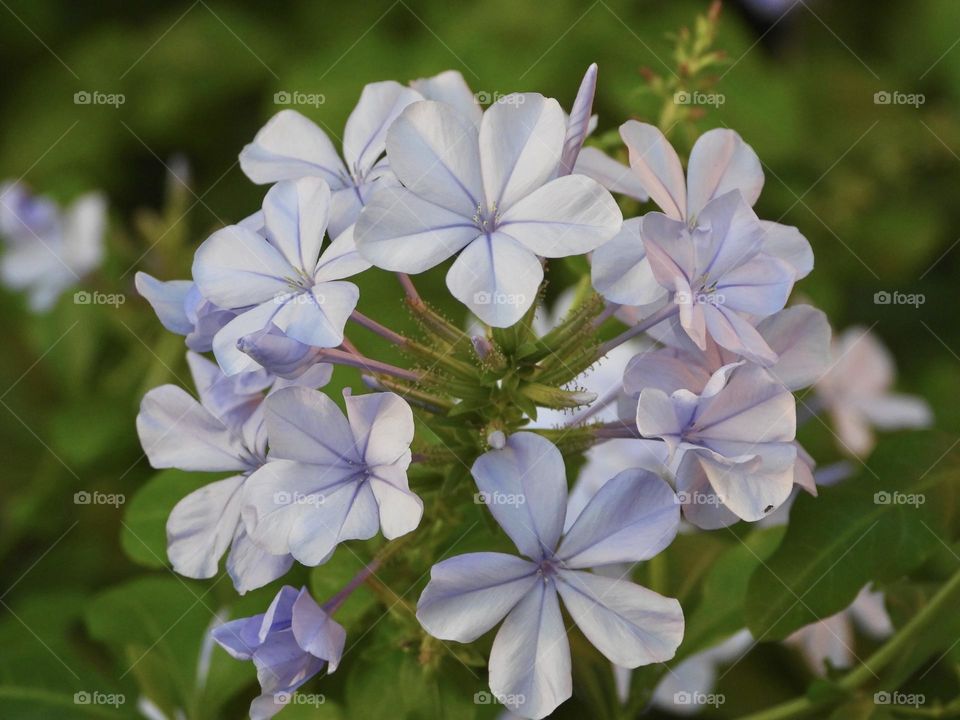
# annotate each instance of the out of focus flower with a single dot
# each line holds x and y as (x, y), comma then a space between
(856, 392)
(632, 518)
(332, 478)
(490, 193)
(289, 644)
(48, 249)
(832, 639)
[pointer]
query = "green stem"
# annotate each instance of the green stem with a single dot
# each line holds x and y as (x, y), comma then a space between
(945, 600)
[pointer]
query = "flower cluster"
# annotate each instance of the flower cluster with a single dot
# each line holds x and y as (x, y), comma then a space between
(689, 411)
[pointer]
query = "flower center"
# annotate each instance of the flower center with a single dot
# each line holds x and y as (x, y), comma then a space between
(486, 219)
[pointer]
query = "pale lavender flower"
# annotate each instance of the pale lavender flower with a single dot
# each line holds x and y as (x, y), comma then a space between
(720, 162)
(294, 640)
(719, 275)
(224, 432)
(856, 392)
(733, 443)
(290, 147)
(632, 518)
(449, 87)
(284, 277)
(48, 249)
(489, 194)
(332, 478)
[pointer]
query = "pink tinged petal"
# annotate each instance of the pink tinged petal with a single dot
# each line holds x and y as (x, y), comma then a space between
(870, 614)
(521, 141)
(401, 231)
(469, 594)
(632, 517)
(317, 316)
(226, 343)
(449, 87)
(732, 332)
(752, 490)
(620, 270)
(168, 300)
(630, 625)
(525, 488)
(201, 527)
(341, 259)
(800, 335)
(307, 426)
(853, 431)
(568, 216)
(803, 472)
(701, 504)
(289, 147)
(497, 278)
(578, 123)
(236, 267)
(250, 566)
(316, 632)
(613, 175)
(530, 659)
(786, 243)
(670, 250)
(752, 407)
(434, 152)
(382, 424)
(295, 213)
(657, 166)
(178, 432)
(720, 162)
(365, 134)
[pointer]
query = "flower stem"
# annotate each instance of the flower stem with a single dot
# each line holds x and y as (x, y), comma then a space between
(341, 357)
(667, 311)
(334, 603)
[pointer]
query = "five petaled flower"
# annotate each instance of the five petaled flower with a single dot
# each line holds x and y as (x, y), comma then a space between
(631, 518)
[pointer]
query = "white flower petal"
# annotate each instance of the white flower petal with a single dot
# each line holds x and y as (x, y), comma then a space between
(657, 166)
(236, 267)
(295, 216)
(289, 147)
(721, 161)
(365, 134)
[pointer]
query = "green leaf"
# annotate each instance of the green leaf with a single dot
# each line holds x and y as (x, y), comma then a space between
(720, 612)
(144, 534)
(865, 529)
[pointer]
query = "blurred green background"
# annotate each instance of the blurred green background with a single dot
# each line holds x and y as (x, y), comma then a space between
(872, 186)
